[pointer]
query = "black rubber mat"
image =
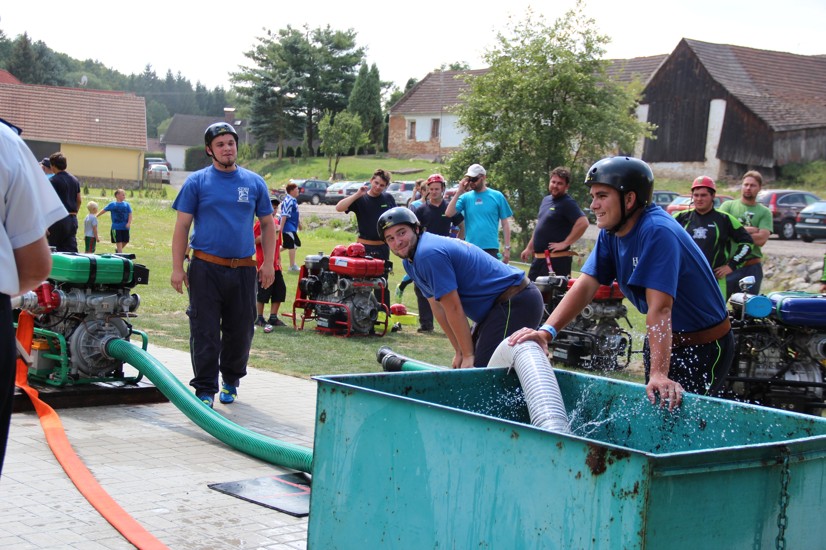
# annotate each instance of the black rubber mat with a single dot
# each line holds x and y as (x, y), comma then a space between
(287, 493)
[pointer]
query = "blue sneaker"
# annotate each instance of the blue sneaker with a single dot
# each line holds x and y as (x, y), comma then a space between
(228, 393)
(206, 399)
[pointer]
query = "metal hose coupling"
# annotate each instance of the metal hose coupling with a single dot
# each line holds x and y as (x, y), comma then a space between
(545, 405)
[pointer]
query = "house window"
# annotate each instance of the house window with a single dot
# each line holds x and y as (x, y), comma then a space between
(434, 128)
(411, 129)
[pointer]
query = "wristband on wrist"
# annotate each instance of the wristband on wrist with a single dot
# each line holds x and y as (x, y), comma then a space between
(550, 330)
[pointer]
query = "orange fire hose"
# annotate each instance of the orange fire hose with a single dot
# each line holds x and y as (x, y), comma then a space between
(68, 459)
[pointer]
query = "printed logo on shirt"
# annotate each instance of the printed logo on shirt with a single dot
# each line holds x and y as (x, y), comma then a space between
(700, 233)
(634, 261)
(478, 201)
(243, 194)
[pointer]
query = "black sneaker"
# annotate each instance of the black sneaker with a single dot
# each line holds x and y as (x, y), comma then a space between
(276, 322)
(424, 329)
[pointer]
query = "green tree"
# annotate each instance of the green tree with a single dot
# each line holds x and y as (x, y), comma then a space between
(365, 101)
(546, 101)
(35, 63)
(314, 70)
(339, 134)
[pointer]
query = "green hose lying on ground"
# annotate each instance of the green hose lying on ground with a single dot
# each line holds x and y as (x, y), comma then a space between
(270, 450)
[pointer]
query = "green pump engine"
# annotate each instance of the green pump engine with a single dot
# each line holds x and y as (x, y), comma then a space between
(86, 301)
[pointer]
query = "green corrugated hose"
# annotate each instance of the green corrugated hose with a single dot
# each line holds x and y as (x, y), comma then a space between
(270, 450)
(395, 362)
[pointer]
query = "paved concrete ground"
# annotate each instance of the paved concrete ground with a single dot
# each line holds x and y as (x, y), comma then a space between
(156, 464)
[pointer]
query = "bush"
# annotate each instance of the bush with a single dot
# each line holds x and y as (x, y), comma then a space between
(810, 175)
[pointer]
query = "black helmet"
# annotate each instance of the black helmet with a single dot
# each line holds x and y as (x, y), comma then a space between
(395, 216)
(624, 174)
(218, 129)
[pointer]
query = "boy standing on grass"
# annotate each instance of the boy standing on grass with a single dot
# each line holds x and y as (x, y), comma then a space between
(121, 219)
(276, 293)
(90, 228)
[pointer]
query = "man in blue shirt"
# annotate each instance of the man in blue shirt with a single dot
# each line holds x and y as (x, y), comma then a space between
(221, 201)
(461, 282)
(659, 268)
(484, 209)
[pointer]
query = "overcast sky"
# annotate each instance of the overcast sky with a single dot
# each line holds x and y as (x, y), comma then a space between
(206, 40)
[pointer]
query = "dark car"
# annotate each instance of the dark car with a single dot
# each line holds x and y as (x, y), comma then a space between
(664, 198)
(785, 205)
(312, 191)
(811, 222)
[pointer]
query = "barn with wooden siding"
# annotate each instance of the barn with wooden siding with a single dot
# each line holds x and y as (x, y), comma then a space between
(721, 110)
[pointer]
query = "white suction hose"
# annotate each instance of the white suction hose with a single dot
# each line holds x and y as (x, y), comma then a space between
(545, 405)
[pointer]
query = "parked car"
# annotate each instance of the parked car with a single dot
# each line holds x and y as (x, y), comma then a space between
(684, 202)
(785, 205)
(149, 161)
(811, 222)
(452, 190)
(340, 190)
(332, 195)
(401, 191)
(158, 172)
(664, 198)
(312, 191)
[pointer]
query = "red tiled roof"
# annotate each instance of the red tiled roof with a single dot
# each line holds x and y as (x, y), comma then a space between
(74, 115)
(440, 90)
(437, 91)
(7, 78)
(786, 90)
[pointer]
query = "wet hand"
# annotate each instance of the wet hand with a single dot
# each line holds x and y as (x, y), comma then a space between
(667, 390)
(529, 335)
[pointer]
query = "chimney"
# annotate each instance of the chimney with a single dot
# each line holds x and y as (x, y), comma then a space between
(229, 115)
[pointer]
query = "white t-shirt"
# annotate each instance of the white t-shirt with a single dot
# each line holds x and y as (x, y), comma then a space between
(29, 206)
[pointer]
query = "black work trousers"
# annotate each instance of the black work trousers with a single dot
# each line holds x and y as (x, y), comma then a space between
(221, 317)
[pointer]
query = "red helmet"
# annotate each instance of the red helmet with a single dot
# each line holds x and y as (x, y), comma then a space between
(435, 178)
(356, 250)
(704, 181)
(398, 309)
(339, 250)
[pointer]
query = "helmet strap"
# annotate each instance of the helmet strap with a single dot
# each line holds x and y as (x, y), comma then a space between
(210, 155)
(625, 215)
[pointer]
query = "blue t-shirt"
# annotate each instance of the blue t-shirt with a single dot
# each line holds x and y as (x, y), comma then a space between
(442, 265)
(482, 212)
(289, 210)
(120, 214)
(658, 253)
(224, 206)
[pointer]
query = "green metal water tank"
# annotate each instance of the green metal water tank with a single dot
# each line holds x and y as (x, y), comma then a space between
(447, 459)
